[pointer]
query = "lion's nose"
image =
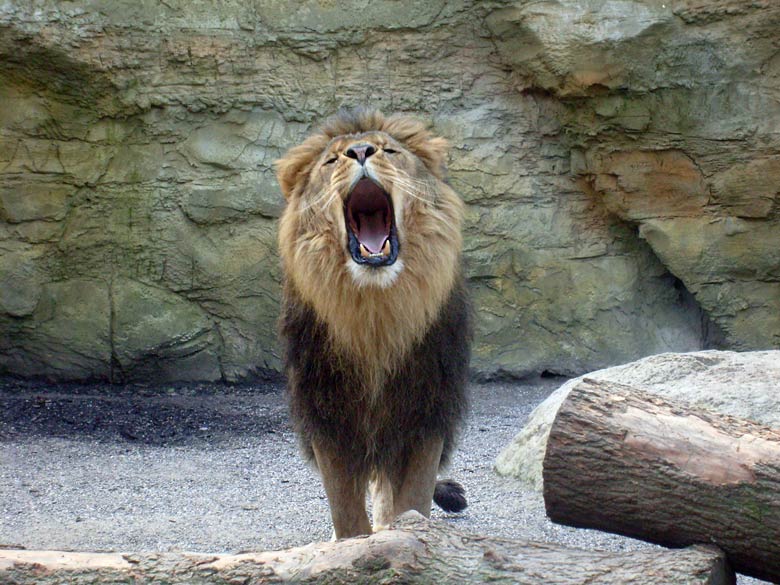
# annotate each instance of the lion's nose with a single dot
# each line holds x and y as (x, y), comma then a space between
(360, 152)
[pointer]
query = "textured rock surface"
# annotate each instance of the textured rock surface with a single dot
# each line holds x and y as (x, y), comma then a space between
(618, 158)
(739, 384)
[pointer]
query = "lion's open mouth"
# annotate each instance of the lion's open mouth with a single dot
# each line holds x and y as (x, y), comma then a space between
(370, 223)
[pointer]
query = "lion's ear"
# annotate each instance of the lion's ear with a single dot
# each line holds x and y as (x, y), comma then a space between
(412, 133)
(292, 168)
(434, 154)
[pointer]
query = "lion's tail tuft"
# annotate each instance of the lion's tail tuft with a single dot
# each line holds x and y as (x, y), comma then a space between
(450, 496)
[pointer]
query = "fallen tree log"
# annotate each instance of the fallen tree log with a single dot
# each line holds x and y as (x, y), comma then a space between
(416, 550)
(629, 462)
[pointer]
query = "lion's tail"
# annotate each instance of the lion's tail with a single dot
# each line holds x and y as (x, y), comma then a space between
(450, 496)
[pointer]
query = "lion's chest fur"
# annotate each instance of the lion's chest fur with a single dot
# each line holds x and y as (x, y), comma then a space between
(374, 415)
(377, 330)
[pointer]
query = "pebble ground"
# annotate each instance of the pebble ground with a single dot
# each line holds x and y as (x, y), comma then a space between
(215, 468)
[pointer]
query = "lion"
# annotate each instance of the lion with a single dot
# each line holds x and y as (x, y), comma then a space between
(375, 314)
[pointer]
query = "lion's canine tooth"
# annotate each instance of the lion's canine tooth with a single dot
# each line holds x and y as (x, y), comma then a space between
(386, 248)
(364, 251)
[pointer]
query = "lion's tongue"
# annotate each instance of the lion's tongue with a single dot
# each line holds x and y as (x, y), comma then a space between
(373, 231)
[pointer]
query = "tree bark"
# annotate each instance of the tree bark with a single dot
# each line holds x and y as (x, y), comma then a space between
(416, 550)
(629, 462)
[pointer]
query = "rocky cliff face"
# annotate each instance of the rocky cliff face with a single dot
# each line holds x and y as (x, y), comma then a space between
(619, 159)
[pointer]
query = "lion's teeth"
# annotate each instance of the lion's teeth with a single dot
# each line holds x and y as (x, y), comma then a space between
(381, 254)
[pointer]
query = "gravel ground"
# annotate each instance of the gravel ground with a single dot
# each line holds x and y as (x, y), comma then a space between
(213, 468)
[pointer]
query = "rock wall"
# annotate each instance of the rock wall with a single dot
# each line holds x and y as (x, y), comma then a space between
(619, 159)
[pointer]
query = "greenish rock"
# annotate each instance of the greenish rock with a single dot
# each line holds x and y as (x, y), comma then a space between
(37, 232)
(570, 47)
(207, 205)
(134, 163)
(746, 311)
(158, 335)
(707, 249)
(86, 163)
(744, 191)
(240, 140)
(73, 334)
(31, 201)
(20, 283)
(67, 336)
(217, 145)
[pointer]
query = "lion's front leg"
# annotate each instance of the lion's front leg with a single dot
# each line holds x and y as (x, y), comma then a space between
(346, 494)
(410, 488)
(419, 479)
(382, 501)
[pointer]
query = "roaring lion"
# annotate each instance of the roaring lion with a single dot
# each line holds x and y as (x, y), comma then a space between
(375, 315)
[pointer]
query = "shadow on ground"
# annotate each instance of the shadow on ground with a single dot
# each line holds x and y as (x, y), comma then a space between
(161, 416)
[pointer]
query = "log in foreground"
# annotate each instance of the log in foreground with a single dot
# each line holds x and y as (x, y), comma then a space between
(629, 462)
(415, 550)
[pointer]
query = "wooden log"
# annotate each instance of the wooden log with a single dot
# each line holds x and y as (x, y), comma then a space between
(416, 550)
(629, 462)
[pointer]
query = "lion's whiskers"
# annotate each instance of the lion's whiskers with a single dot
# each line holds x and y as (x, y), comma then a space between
(315, 202)
(419, 190)
(333, 195)
(330, 193)
(404, 177)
